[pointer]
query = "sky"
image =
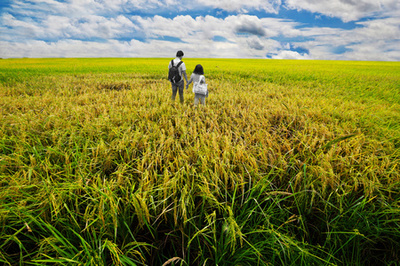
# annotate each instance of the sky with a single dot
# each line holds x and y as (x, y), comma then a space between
(276, 29)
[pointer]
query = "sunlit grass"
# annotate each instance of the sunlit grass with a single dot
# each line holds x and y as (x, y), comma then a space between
(290, 163)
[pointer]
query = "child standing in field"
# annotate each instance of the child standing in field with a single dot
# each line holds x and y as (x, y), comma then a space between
(199, 85)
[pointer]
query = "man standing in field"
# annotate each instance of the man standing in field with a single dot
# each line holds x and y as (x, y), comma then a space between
(177, 69)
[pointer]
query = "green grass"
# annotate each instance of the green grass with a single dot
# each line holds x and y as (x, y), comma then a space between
(290, 163)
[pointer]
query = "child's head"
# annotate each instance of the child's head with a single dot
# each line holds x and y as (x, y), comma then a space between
(198, 70)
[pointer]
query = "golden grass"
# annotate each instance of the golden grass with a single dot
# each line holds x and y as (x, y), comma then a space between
(275, 169)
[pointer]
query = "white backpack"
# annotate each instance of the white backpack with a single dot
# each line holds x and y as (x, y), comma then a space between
(200, 87)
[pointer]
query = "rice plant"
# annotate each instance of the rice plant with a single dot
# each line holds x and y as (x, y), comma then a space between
(290, 163)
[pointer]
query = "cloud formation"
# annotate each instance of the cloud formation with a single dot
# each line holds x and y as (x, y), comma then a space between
(269, 6)
(347, 10)
(202, 28)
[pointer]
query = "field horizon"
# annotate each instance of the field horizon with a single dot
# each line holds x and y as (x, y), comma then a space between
(291, 162)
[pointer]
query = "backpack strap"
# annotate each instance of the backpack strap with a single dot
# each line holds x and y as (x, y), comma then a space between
(180, 63)
(172, 62)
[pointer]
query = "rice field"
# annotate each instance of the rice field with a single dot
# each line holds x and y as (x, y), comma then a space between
(289, 163)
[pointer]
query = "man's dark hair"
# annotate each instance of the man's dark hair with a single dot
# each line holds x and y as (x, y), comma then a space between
(198, 70)
(179, 54)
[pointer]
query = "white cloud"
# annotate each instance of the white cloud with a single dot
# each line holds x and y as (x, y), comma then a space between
(380, 29)
(60, 27)
(240, 36)
(178, 27)
(269, 6)
(231, 27)
(13, 28)
(285, 54)
(82, 8)
(347, 10)
(196, 35)
(369, 51)
(48, 28)
(375, 40)
(246, 36)
(68, 48)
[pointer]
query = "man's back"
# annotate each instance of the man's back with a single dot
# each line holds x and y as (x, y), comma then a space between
(181, 68)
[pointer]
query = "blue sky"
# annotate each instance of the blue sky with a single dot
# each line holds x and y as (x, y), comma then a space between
(277, 29)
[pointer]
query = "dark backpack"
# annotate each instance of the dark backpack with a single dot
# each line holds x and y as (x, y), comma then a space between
(173, 74)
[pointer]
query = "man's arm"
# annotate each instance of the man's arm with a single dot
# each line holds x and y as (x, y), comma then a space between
(185, 76)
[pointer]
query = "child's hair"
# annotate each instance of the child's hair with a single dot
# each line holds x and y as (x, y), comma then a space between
(198, 70)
